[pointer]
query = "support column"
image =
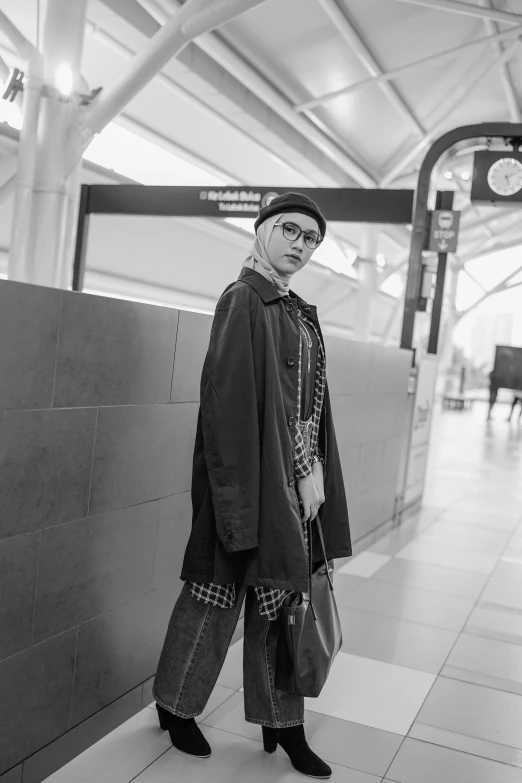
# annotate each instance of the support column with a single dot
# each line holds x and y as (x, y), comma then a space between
(450, 321)
(63, 37)
(367, 273)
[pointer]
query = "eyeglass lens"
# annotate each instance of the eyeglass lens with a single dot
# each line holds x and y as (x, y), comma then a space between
(292, 232)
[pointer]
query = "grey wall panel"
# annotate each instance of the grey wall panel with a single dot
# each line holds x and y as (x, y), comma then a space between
(95, 499)
(29, 321)
(45, 467)
(191, 348)
(62, 750)
(18, 564)
(36, 687)
(13, 776)
(116, 651)
(92, 565)
(175, 520)
(142, 453)
(113, 352)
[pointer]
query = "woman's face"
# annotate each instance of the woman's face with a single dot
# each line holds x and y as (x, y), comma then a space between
(289, 256)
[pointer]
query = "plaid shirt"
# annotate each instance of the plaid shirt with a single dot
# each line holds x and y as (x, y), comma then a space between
(305, 454)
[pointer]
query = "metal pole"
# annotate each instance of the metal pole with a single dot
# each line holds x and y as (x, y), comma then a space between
(62, 49)
(27, 154)
(420, 210)
(22, 184)
(444, 201)
(367, 274)
(82, 234)
(64, 279)
(193, 19)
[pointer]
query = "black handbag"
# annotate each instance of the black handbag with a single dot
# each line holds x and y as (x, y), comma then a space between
(310, 630)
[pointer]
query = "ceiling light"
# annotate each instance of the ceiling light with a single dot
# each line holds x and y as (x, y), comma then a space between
(465, 175)
(448, 175)
(381, 261)
(63, 79)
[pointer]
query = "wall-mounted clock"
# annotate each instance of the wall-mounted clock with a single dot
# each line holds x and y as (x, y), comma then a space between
(497, 177)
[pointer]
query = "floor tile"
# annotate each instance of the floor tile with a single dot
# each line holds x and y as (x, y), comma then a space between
(371, 692)
(448, 534)
(448, 581)
(231, 675)
(422, 762)
(407, 603)
(478, 747)
(338, 741)
(346, 585)
(483, 713)
(236, 758)
(365, 564)
(508, 570)
(482, 520)
(495, 624)
(502, 593)
(400, 642)
(426, 552)
(119, 756)
(480, 508)
(488, 656)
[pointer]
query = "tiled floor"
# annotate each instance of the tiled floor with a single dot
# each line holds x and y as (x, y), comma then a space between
(428, 685)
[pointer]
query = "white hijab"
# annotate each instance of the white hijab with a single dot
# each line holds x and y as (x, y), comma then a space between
(259, 259)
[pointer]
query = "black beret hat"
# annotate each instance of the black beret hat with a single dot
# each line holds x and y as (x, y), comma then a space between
(292, 202)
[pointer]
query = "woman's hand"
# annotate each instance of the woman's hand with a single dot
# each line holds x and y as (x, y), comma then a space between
(318, 474)
(309, 496)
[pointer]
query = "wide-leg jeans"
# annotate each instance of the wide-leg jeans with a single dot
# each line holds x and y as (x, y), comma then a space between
(195, 647)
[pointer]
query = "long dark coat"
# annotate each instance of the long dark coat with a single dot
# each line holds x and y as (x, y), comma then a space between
(246, 519)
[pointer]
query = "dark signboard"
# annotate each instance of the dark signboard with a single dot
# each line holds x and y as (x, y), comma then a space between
(355, 205)
(508, 367)
(444, 231)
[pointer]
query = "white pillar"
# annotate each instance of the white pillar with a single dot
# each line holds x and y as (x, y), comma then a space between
(446, 353)
(368, 274)
(65, 273)
(63, 37)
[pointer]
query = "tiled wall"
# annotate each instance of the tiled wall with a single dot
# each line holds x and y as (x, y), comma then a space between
(98, 409)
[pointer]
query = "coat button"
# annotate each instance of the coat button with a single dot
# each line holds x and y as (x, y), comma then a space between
(291, 482)
(289, 307)
(291, 421)
(290, 361)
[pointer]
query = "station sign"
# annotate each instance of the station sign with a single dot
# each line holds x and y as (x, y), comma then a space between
(444, 231)
(354, 205)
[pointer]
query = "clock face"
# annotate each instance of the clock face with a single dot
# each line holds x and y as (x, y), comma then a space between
(505, 176)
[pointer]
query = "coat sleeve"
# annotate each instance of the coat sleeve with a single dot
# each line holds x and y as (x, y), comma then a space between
(230, 424)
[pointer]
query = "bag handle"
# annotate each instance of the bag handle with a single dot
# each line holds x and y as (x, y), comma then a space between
(321, 538)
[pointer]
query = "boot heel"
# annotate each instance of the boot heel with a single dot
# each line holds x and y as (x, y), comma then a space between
(163, 717)
(270, 738)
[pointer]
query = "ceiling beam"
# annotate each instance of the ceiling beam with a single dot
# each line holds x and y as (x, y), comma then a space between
(507, 85)
(462, 91)
(496, 290)
(240, 70)
(409, 67)
(346, 28)
(468, 10)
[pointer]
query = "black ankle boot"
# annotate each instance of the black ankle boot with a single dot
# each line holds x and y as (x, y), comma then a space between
(184, 733)
(293, 741)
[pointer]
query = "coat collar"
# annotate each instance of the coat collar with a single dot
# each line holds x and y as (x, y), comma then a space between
(268, 293)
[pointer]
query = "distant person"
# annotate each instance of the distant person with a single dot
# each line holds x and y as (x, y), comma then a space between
(265, 460)
(493, 391)
(517, 398)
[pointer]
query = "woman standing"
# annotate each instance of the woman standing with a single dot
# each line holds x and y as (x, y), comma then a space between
(265, 460)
